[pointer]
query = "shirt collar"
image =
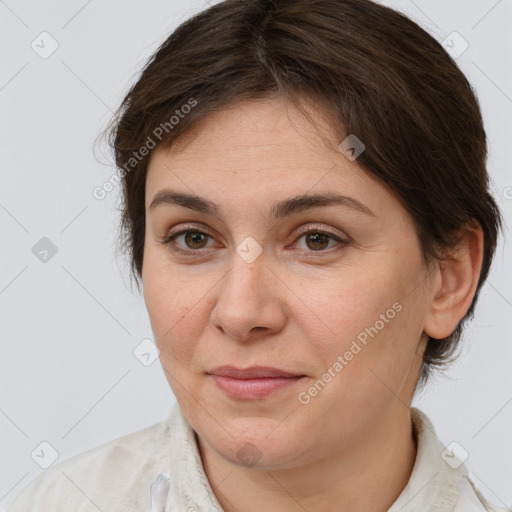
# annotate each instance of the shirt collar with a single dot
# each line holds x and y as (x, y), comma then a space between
(437, 473)
(433, 485)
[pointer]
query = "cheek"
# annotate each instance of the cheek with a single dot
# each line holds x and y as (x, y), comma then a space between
(372, 322)
(346, 307)
(174, 307)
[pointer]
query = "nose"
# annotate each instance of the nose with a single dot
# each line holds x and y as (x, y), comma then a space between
(250, 301)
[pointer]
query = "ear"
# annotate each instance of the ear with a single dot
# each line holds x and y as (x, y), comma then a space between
(455, 284)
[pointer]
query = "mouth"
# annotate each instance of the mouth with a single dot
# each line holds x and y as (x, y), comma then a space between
(254, 383)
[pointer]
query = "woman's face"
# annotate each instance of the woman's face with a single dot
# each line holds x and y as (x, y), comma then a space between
(333, 293)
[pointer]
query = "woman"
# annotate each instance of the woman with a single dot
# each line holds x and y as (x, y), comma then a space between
(307, 207)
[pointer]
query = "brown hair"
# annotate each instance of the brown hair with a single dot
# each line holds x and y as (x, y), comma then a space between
(382, 78)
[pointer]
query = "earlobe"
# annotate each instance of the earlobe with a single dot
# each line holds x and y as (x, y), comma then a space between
(458, 275)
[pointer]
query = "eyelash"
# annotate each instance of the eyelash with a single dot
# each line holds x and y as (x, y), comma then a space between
(168, 240)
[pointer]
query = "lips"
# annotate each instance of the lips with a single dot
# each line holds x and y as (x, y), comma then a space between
(254, 372)
(254, 383)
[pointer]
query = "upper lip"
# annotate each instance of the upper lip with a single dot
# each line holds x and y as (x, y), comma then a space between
(254, 372)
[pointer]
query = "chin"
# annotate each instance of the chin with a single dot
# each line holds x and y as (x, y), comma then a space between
(253, 442)
(259, 453)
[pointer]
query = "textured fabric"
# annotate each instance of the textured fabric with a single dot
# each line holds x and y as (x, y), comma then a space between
(120, 475)
(435, 485)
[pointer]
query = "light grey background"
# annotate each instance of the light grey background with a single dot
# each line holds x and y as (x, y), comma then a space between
(68, 374)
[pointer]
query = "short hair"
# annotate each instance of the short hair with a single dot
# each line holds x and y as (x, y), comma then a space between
(378, 74)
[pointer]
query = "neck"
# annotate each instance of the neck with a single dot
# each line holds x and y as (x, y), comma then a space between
(369, 475)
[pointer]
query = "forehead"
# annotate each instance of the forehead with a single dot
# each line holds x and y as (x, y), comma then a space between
(260, 152)
(260, 141)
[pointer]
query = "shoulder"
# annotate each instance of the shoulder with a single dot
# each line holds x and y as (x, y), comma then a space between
(450, 486)
(115, 475)
(471, 500)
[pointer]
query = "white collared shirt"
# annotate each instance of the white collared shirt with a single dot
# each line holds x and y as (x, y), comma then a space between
(159, 469)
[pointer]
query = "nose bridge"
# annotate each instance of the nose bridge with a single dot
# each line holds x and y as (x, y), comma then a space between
(244, 285)
(247, 276)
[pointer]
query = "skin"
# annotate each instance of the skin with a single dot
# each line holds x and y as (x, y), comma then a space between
(295, 307)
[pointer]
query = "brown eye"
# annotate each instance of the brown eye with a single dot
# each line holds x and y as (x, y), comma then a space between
(317, 241)
(188, 241)
(195, 239)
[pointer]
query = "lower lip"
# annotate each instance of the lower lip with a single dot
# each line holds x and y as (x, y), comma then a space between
(253, 389)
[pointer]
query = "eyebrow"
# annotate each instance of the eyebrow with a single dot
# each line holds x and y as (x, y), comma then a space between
(278, 211)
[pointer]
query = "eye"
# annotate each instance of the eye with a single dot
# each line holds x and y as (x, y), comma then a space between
(318, 240)
(191, 240)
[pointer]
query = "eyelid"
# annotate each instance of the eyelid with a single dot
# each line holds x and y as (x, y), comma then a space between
(321, 229)
(189, 227)
(301, 230)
